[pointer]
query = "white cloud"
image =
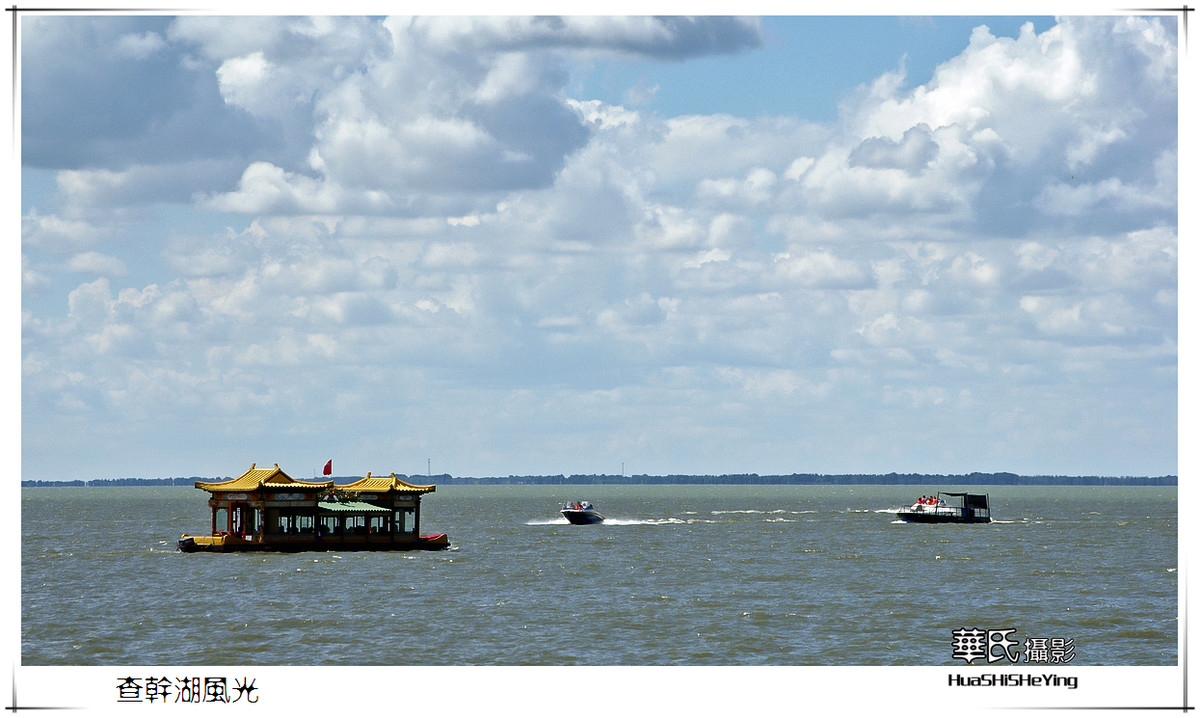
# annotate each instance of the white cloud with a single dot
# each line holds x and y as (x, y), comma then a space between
(97, 263)
(912, 153)
(247, 82)
(443, 240)
(140, 46)
(56, 234)
(657, 36)
(1007, 111)
(755, 189)
(265, 188)
(1106, 195)
(821, 268)
(90, 304)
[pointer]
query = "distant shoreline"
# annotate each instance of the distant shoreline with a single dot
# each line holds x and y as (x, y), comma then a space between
(972, 479)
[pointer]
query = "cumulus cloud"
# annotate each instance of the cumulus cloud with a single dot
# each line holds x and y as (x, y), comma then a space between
(140, 46)
(265, 188)
(915, 150)
(1012, 121)
(104, 93)
(823, 269)
(56, 234)
(414, 215)
(97, 263)
(659, 37)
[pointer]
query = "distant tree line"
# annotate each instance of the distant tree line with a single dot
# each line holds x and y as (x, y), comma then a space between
(177, 481)
(972, 479)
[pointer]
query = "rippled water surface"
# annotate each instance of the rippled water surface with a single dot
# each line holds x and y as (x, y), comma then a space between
(677, 575)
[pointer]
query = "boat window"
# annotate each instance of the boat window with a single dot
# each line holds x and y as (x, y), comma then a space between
(288, 521)
(402, 521)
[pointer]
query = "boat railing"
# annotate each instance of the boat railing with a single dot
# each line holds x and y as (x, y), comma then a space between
(952, 510)
(941, 510)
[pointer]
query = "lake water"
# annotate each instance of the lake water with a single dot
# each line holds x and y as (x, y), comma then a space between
(677, 575)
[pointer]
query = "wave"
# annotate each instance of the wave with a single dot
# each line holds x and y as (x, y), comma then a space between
(608, 521)
(764, 512)
(692, 517)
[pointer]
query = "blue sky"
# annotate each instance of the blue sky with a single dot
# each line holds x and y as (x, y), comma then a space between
(802, 67)
(510, 245)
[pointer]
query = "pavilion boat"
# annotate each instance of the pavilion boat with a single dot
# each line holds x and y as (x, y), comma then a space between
(581, 512)
(267, 510)
(949, 508)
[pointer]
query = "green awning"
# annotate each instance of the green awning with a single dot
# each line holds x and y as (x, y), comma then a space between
(351, 507)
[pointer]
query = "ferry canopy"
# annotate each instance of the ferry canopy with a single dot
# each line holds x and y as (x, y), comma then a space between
(256, 479)
(384, 484)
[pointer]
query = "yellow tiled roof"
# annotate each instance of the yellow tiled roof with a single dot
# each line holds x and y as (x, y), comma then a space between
(256, 478)
(383, 484)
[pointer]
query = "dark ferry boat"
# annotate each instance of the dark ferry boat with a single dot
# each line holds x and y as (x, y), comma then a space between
(948, 508)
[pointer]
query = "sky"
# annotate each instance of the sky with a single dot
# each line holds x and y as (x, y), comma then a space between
(510, 245)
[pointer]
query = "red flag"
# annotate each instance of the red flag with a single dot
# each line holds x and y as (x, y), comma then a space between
(328, 467)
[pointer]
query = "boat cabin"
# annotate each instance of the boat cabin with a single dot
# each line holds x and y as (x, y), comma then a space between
(949, 507)
(265, 509)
